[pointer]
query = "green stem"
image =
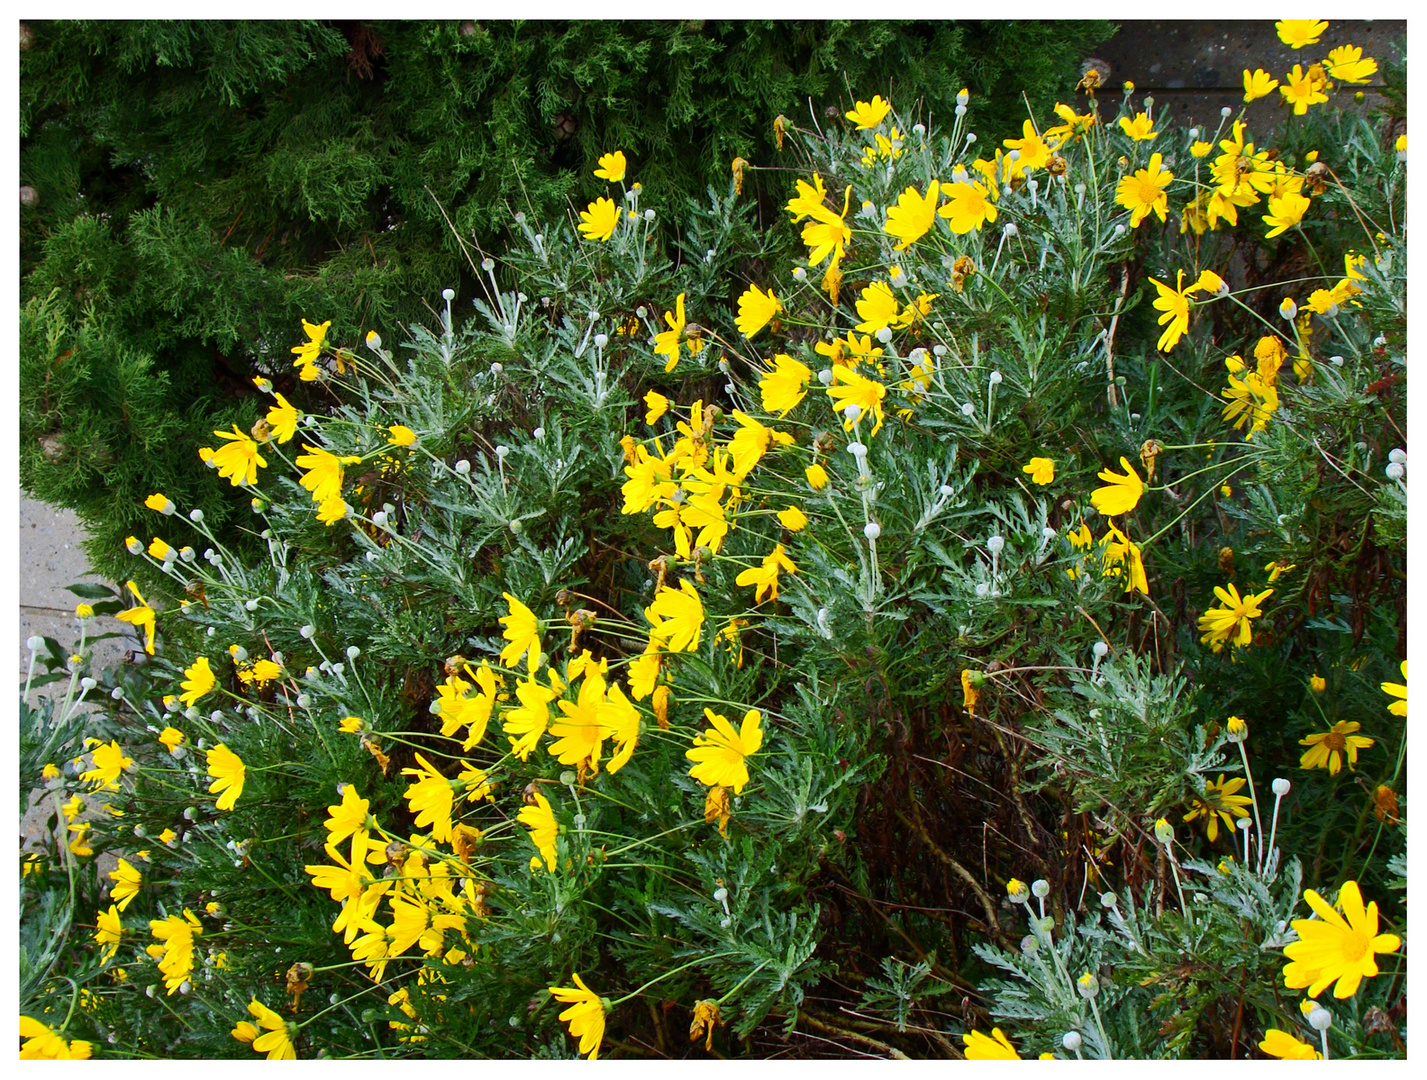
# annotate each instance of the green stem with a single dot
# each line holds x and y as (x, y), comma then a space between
(668, 974)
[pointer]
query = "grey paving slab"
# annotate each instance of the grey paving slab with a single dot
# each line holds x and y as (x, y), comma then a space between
(1194, 68)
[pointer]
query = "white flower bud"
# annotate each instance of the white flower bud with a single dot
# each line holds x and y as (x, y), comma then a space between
(853, 412)
(250, 605)
(1119, 231)
(379, 519)
(601, 340)
(1288, 309)
(872, 530)
(968, 409)
(799, 274)
(649, 215)
(1040, 888)
(1226, 112)
(1320, 1019)
(463, 466)
(1088, 985)
(982, 590)
(308, 631)
(995, 378)
(857, 449)
(353, 652)
(1395, 470)
(970, 137)
(502, 451)
(884, 335)
(1010, 229)
(919, 130)
(35, 643)
(372, 556)
(1100, 649)
(88, 683)
(187, 554)
(960, 111)
(996, 544)
(497, 368)
(1396, 454)
(825, 376)
(938, 351)
(1071, 1041)
(304, 701)
(1281, 787)
(538, 434)
(195, 515)
(1108, 900)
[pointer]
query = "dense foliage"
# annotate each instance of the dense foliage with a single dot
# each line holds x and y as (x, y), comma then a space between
(191, 189)
(1044, 519)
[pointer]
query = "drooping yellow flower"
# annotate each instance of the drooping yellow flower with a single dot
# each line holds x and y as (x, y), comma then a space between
(1302, 90)
(993, 1047)
(1329, 749)
(522, 631)
(1347, 64)
(1174, 302)
(1296, 33)
(765, 576)
(1284, 213)
(794, 520)
(817, 476)
(755, 310)
(1141, 128)
(525, 724)
(73, 807)
(401, 435)
(1258, 84)
(347, 818)
(228, 773)
(238, 460)
(1122, 493)
(174, 950)
(1231, 622)
(277, 1043)
(109, 931)
(666, 342)
(323, 477)
(1219, 802)
(784, 386)
(127, 880)
(913, 215)
(655, 406)
(1282, 1045)
(282, 419)
(198, 680)
(585, 1016)
(140, 616)
(431, 799)
(308, 353)
(43, 1044)
(968, 207)
(868, 114)
(540, 820)
(1399, 691)
(109, 762)
(828, 233)
(1145, 191)
(1336, 948)
(1073, 126)
(1041, 470)
(720, 754)
(1120, 557)
(676, 617)
(612, 167)
(599, 220)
